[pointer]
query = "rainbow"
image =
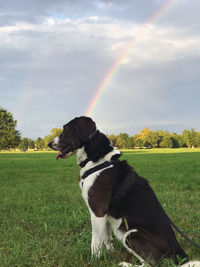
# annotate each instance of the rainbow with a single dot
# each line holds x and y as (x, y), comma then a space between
(110, 74)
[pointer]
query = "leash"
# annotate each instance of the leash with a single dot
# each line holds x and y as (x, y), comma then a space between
(182, 234)
(126, 224)
(179, 231)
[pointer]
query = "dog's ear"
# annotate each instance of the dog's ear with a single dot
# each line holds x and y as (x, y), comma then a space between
(85, 126)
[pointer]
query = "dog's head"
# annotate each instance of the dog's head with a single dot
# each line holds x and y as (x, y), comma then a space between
(75, 134)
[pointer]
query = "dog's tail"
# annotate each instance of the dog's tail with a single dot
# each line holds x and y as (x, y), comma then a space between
(124, 241)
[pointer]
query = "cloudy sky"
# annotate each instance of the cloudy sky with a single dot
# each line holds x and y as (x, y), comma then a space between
(55, 54)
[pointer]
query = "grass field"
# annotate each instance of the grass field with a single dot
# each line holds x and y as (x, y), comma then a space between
(44, 221)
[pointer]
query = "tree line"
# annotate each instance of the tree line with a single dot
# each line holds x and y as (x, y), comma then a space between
(156, 139)
(10, 137)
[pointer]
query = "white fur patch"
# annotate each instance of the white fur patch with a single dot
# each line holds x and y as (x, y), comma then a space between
(115, 223)
(80, 155)
(55, 143)
(99, 234)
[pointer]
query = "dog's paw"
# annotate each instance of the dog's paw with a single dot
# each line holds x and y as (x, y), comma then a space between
(96, 254)
(109, 246)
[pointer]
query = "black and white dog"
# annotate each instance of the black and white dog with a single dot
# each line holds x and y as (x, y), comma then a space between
(117, 197)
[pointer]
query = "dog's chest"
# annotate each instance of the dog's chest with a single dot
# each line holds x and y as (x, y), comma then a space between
(86, 184)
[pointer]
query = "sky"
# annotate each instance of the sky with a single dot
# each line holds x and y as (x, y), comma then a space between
(54, 55)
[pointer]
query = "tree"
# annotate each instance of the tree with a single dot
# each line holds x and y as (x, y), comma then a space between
(113, 139)
(123, 141)
(138, 142)
(181, 141)
(39, 143)
(54, 132)
(189, 137)
(131, 142)
(167, 141)
(161, 134)
(151, 139)
(9, 135)
(197, 139)
(175, 140)
(24, 144)
(31, 144)
(143, 133)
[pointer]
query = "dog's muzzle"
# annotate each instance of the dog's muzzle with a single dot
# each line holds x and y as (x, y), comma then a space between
(63, 152)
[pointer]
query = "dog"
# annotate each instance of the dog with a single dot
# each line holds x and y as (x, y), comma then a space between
(118, 198)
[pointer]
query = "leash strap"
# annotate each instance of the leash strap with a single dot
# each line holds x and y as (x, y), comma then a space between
(179, 231)
(182, 234)
(126, 224)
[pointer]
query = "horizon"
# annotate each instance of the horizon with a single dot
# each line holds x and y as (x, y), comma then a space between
(116, 134)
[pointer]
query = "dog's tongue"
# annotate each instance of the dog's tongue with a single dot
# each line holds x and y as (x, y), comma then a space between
(62, 153)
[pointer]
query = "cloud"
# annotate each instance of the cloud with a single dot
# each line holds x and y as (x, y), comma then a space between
(54, 55)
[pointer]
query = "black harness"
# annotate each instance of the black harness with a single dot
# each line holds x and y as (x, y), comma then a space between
(99, 167)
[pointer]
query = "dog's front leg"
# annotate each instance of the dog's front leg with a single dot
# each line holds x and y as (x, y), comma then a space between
(99, 234)
(108, 237)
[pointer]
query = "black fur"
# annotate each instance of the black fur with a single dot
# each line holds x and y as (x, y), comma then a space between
(97, 147)
(134, 199)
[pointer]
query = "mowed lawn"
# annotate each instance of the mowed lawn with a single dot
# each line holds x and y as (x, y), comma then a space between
(44, 221)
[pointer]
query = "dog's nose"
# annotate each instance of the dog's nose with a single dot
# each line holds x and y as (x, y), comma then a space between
(50, 144)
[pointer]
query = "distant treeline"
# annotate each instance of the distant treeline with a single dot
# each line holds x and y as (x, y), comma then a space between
(10, 137)
(155, 139)
(145, 139)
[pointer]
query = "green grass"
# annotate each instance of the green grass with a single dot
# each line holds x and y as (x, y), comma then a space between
(44, 221)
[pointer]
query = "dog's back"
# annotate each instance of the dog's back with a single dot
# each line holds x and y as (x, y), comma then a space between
(134, 200)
